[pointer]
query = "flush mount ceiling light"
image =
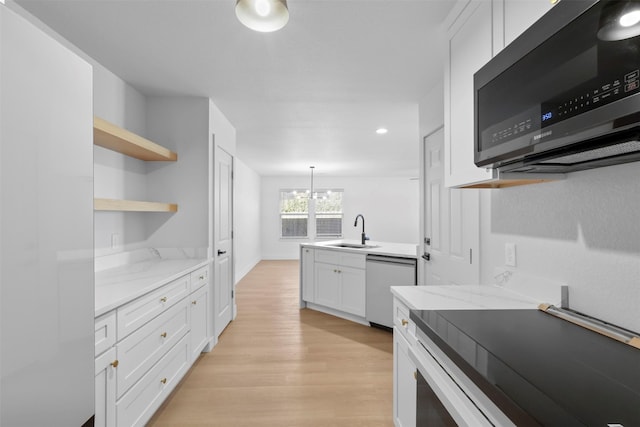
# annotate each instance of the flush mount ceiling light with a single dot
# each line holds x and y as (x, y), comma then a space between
(620, 21)
(263, 15)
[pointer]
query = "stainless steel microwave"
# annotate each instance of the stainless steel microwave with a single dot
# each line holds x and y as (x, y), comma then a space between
(565, 95)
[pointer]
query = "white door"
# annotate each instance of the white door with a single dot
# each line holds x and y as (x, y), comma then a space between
(223, 248)
(452, 221)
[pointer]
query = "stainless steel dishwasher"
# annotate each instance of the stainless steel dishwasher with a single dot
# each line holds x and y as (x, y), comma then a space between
(382, 273)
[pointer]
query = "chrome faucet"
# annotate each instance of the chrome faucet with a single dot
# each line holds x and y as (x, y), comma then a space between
(355, 224)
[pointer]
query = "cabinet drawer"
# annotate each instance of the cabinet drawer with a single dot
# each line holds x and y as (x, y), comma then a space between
(138, 312)
(137, 406)
(402, 321)
(353, 260)
(327, 256)
(199, 278)
(140, 350)
(105, 334)
(345, 259)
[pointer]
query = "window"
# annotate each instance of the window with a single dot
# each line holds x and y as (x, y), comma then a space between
(297, 214)
(328, 214)
(294, 213)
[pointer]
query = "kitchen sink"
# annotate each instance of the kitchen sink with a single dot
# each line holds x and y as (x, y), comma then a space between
(353, 246)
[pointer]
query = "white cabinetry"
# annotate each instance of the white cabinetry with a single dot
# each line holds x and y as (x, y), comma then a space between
(137, 406)
(147, 345)
(404, 370)
(340, 281)
(520, 15)
(307, 256)
(404, 385)
(138, 312)
(469, 47)
(477, 32)
(105, 370)
(105, 387)
(159, 336)
(327, 291)
(200, 309)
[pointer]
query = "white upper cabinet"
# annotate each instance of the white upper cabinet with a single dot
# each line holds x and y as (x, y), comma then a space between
(476, 31)
(520, 15)
(470, 39)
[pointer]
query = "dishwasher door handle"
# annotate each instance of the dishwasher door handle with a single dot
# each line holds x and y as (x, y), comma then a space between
(391, 260)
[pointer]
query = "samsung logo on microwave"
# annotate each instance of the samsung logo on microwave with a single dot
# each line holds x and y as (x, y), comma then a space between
(542, 135)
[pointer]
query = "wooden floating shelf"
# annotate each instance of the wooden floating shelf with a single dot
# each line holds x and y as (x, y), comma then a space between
(132, 206)
(115, 138)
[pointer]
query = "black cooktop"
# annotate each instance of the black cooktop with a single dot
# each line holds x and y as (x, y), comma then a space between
(556, 372)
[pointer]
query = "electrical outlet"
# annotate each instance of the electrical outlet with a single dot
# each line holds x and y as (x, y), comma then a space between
(115, 241)
(510, 254)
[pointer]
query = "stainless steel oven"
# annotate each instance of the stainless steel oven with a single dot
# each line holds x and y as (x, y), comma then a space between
(430, 411)
(526, 368)
(445, 395)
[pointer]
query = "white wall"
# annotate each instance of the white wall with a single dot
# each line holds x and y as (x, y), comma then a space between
(583, 231)
(180, 124)
(246, 213)
(389, 206)
(116, 175)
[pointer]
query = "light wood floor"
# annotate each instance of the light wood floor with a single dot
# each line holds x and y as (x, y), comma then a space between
(277, 365)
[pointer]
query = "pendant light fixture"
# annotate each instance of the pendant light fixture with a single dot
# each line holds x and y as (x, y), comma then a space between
(312, 194)
(263, 15)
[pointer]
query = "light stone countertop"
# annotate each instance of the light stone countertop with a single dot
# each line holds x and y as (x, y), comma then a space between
(119, 285)
(403, 250)
(463, 297)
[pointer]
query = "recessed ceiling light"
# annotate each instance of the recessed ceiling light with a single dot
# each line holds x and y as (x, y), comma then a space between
(381, 131)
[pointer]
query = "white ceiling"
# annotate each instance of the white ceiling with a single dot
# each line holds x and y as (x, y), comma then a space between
(312, 93)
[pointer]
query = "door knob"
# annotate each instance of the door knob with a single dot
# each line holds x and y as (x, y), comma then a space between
(221, 252)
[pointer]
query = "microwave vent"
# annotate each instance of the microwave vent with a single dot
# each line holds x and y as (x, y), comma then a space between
(597, 153)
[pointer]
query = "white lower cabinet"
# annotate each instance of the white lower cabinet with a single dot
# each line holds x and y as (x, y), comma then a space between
(105, 386)
(327, 289)
(307, 274)
(340, 281)
(353, 297)
(199, 307)
(404, 383)
(159, 336)
(140, 350)
(137, 406)
(404, 369)
(138, 312)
